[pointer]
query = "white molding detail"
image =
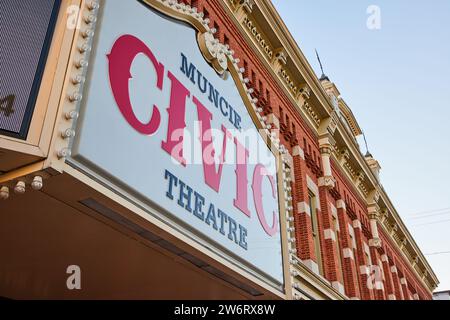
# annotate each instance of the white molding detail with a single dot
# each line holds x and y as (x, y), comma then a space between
(363, 269)
(303, 207)
(298, 151)
(348, 253)
(341, 204)
(394, 270)
(384, 258)
(403, 281)
(392, 297)
(329, 234)
(379, 285)
(357, 224)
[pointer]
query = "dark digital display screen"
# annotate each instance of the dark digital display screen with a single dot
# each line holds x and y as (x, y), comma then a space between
(26, 31)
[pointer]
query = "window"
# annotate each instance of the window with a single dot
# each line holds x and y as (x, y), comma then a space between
(338, 246)
(315, 230)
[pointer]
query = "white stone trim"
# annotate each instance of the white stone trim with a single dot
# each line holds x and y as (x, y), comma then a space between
(357, 224)
(312, 265)
(303, 207)
(298, 151)
(355, 298)
(379, 285)
(333, 211)
(403, 281)
(329, 234)
(348, 253)
(394, 270)
(364, 270)
(384, 258)
(338, 286)
(341, 204)
(416, 296)
(392, 297)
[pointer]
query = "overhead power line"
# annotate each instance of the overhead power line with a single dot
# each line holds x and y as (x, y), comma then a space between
(430, 215)
(437, 253)
(428, 211)
(430, 223)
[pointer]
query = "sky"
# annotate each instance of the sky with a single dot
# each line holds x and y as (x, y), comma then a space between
(394, 73)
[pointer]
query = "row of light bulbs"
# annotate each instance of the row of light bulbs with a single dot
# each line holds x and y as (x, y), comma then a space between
(20, 187)
(79, 79)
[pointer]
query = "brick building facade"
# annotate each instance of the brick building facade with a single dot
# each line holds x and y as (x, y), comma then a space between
(345, 227)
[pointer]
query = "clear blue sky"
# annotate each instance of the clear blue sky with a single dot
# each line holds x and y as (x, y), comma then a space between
(397, 82)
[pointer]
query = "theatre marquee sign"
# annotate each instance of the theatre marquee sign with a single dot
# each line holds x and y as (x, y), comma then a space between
(162, 124)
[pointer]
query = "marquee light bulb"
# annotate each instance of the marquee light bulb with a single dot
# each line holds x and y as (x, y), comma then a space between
(90, 18)
(76, 96)
(84, 48)
(72, 115)
(4, 193)
(64, 153)
(20, 187)
(68, 133)
(93, 5)
(78, 79)
(87, 33)
(37, 183)
(82, 63)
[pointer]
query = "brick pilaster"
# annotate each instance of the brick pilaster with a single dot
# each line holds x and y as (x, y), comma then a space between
(329, 245)
(390, 291)
(397, 282)
(303, 223)
(379, 283)
(348, 258)
(362, 262)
